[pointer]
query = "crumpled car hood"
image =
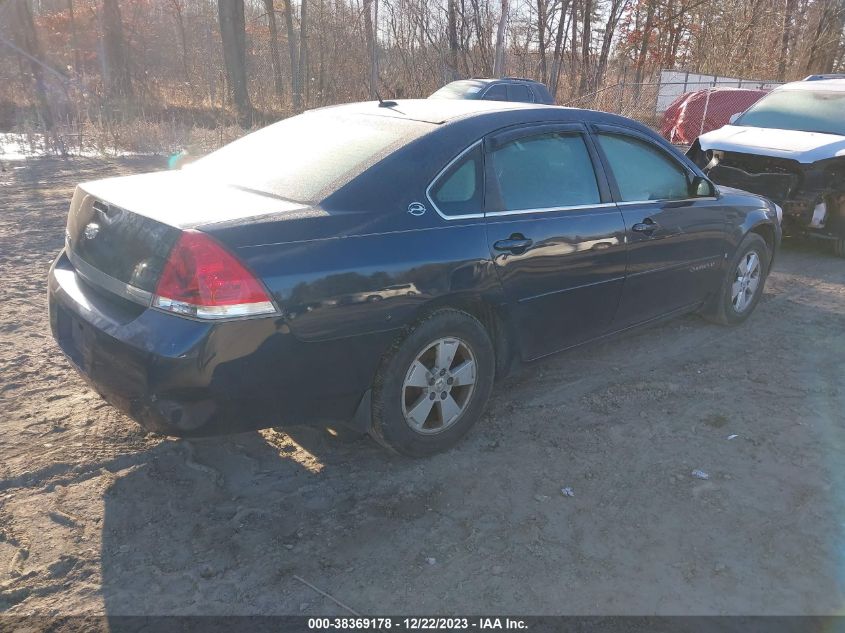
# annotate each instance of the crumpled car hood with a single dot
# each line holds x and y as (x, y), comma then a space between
(804, 147)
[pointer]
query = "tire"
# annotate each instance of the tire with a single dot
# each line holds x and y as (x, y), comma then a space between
(839, 248)
(728, 309)
(410, 374)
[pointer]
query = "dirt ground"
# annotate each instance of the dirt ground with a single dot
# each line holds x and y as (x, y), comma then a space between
(96, 516)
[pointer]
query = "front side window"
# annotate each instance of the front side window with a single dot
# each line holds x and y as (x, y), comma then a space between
(461, 89)
(458, 191)
(544, 172)
(518, 92)
(643, 172)
(496, 93)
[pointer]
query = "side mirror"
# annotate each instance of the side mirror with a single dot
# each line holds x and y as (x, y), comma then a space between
(702, 188)
(734, 117)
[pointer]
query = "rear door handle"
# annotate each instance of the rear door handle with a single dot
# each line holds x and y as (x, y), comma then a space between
(513, 245)
(647, 226)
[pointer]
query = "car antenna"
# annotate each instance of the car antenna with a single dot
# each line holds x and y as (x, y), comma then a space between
(384, 104)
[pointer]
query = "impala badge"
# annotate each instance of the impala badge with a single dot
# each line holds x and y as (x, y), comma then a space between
(91, 230)
(416, 208)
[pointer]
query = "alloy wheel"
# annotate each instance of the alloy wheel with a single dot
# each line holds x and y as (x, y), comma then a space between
(438, 386)
(746, 281)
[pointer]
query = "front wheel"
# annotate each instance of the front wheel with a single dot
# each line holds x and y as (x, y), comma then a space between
(433, 385)
(743, 284)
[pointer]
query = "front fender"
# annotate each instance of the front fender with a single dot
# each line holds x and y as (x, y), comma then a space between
(760, 221)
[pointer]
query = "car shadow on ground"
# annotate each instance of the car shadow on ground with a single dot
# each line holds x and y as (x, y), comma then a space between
(218, 525)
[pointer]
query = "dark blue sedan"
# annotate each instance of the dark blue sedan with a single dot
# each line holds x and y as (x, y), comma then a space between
(382, 264)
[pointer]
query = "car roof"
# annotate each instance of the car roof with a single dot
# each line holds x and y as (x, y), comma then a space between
(491, 80)
(819, 85)
(435, 111)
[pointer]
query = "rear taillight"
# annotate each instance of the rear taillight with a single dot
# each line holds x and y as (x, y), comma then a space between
(204, 280)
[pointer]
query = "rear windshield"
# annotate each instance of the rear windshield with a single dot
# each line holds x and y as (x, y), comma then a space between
(804, 110)
(463, 89)
(307, 157)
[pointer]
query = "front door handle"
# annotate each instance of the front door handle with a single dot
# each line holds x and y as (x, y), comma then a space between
(514, 244)
(647, 226)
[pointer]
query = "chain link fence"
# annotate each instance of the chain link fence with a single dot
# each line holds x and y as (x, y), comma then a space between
(678, 110)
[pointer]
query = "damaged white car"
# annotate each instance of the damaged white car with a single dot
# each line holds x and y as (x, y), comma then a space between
(789, 147)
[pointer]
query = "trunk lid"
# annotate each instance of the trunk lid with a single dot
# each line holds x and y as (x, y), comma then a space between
(121, 230)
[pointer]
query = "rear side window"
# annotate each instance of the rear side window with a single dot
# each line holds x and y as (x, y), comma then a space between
(643, 172)
(496, 93)
(544, 172)
(518, 92)
(458, 191)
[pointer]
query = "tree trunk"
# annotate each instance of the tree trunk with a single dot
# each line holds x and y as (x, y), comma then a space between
(452, 18)
(180, 25)
(303, 52)
(786, 36)
(233, 36)
(646, 37)
(499, 61)
(295, 82)
(25, 38)
(573, 46)
(557, 55)
(586, 40)
(541, 36)
(74, 41)
(115, 60)
(613, 15)
(275, 59)
(369, 32)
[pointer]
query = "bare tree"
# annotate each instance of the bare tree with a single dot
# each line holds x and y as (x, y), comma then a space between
(586, 40)
(557, 55)
(74, 38)
(275, 59)
(295, 82)
(651, 7)
(116, 75)
(614, 13)
(233, 36)
(371, 44)
(176, 6)
(541, 36)
(452, 19)
(26, 39)
(303, 52)
(499, 62)
(827, 42)
(786, 36)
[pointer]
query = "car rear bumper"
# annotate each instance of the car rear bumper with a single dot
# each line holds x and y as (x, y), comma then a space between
(179, 376)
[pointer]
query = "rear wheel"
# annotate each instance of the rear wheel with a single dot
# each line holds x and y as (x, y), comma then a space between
(839, 247)
(743, 284)
(433, 385)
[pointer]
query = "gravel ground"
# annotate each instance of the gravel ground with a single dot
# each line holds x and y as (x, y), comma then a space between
(97, 516)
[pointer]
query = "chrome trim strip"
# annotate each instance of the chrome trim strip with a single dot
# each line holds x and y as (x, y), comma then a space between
(562, 290)
(209, 313)
(628, 203)
(574, 207)
(437, 177)
(99, 278)
(465, 216)
(689, 262)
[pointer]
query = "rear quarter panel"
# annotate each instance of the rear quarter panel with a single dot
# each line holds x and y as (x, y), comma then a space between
(347, 286)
